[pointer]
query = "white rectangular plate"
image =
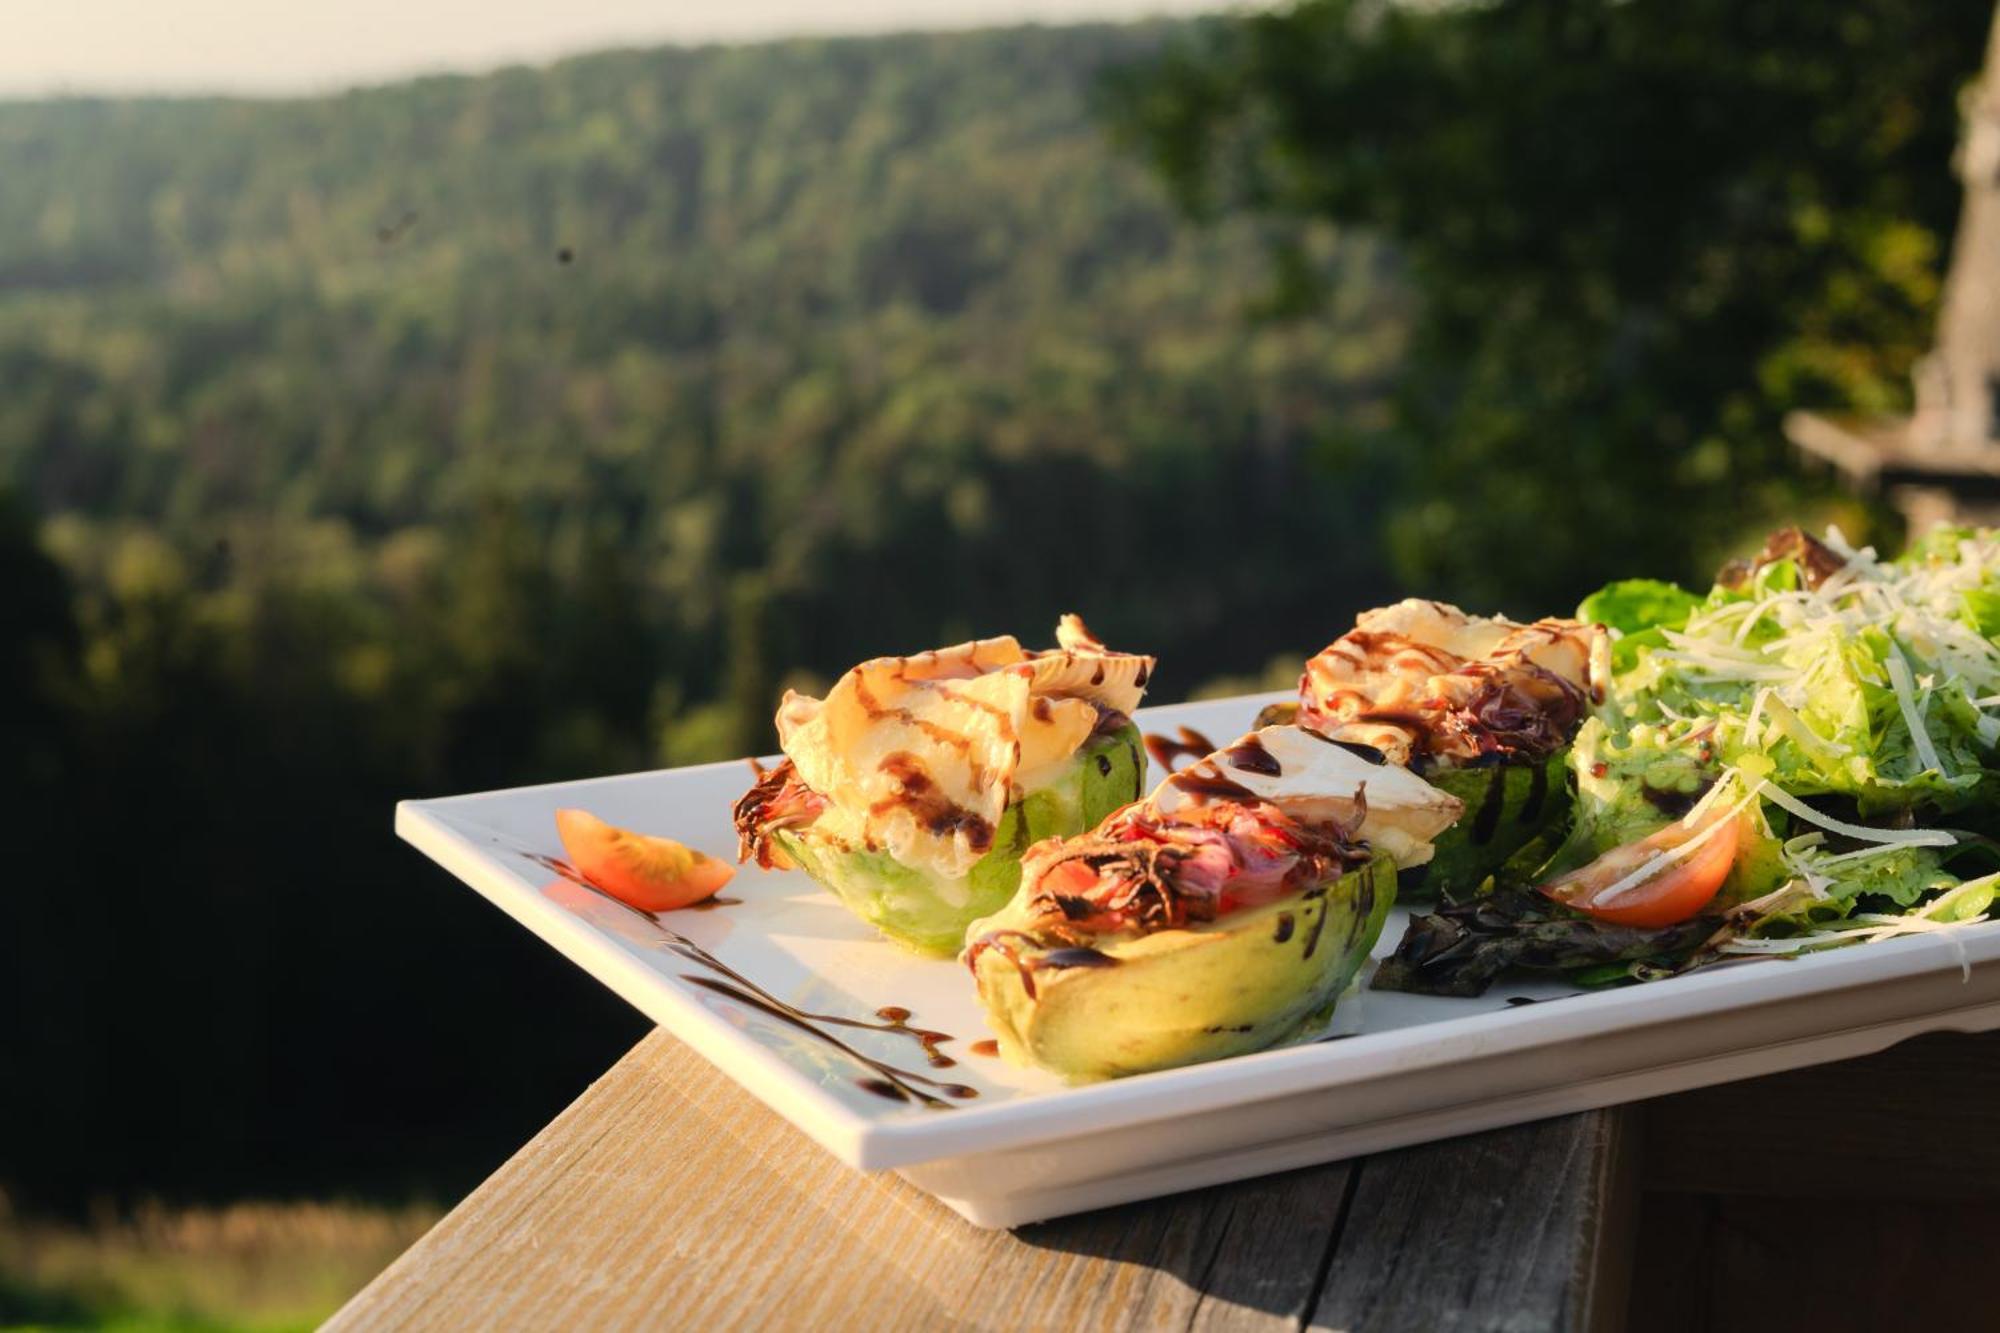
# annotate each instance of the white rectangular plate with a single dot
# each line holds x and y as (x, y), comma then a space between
(1405, 1068)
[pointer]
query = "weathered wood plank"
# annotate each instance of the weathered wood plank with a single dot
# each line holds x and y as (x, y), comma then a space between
(666, 1191)
(666, 1194)
(1522, 1228)
(1911, 1122)
(1243, 1255)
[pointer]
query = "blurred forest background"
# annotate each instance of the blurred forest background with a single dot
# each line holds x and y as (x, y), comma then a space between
(486, 430)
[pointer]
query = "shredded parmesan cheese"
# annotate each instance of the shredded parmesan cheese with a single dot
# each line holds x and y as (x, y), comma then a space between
(1791, 804)
(1913, 714)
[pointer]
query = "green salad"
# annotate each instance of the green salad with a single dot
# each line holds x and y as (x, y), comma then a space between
(1803, 756)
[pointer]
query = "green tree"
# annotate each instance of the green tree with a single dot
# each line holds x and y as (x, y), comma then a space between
(1639, 230)
(356, 490)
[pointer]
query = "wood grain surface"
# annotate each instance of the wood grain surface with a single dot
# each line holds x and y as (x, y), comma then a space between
(1524, 1228)
(667, 1197)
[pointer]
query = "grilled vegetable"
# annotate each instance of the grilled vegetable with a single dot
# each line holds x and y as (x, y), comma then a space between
(1225, 913)
(912, 789)
(1483, 708)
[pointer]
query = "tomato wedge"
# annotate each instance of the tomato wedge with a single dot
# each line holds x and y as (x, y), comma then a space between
(652, 874)
(1673, 894)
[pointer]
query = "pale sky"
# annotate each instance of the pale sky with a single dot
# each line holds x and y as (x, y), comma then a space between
(281, 46)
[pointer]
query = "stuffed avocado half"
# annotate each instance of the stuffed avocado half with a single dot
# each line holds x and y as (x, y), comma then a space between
(1226, 913)
(1481, 707)
(913, 789)
(926, 909)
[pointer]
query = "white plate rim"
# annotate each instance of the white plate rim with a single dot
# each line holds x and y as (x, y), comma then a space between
(911, 1136)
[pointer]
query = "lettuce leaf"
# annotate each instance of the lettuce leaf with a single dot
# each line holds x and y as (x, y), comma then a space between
(1639, 610)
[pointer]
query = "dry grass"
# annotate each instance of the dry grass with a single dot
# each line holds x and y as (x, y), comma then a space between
(248, 1266)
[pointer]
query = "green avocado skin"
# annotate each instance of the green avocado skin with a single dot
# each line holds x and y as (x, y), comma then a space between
(1507, 807)
(929, 912)
(1254, 979)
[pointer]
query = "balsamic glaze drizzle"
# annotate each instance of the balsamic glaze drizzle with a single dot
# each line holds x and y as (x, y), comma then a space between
(887, 1081)
(1538, 795)
(900, 1082)
(1487, 821)
(1250, 756)
(1191, 745)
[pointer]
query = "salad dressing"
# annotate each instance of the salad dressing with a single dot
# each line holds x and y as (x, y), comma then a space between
(930, 807)
(886, 1081)
(1058, 959)
(1166, 750)
(1487, 821)
(1318, 925)
(1538, 795)
(1250, 755)
(1052, 960)
(895, 1018)
(1206, 781)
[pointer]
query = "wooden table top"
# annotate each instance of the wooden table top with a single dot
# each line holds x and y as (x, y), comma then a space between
(665, 1196)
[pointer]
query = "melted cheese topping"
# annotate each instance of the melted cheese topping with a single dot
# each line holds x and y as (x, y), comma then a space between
(920, 756)
(1316, 781)
(1423, 680)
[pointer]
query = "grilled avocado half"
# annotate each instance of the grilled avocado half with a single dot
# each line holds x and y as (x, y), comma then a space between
(1246, 981)
(929, 912)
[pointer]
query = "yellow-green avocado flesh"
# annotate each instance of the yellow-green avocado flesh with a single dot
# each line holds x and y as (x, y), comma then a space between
(1251, 980)
(928, 912)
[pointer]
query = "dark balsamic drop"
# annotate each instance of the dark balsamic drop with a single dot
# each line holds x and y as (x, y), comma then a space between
(1673, 804)
(1204, 781)
(1252, 757)
(1368, 754)
(985, 1046)
(1318, 925)
(1487, 821)
(1538, 795)
(897, 1019)
(928, 804)
(888, 1080)
(1057, 959)
(903, 1080)
(1165, 749)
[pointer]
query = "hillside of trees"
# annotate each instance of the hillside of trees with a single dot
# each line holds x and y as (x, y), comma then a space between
(487, 430)
(479, 431)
